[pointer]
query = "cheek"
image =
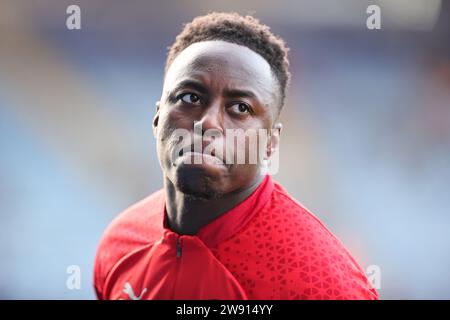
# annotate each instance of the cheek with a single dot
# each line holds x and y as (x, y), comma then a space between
(165, 130)
(174, 130)
(241, 176)
(176, 119)
(255, 143)
(170, 121)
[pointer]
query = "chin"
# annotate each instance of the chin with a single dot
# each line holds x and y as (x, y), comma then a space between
(198, 183)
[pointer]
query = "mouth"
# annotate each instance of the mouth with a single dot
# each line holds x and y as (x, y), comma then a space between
(200, 157)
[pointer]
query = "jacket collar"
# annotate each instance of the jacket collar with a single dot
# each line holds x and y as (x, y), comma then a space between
(229, 223)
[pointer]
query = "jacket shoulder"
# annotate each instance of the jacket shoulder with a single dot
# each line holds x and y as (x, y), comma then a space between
(137, 226)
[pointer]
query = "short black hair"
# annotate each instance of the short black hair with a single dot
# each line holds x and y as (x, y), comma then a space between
(242, 30)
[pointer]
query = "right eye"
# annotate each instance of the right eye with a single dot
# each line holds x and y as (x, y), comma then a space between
(190, 98)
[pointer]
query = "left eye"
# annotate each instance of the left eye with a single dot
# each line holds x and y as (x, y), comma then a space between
(240, 108)
(191, 98)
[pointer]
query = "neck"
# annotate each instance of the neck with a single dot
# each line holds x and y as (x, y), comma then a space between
(186, 215)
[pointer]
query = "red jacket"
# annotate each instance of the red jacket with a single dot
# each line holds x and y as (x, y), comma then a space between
(267, 247)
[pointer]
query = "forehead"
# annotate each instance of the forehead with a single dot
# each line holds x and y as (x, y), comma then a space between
(222, 63)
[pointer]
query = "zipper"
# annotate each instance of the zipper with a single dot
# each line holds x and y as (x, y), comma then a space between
(177, 266)
(179, 247)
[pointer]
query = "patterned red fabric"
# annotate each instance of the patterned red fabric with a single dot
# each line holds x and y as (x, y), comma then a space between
(267, 247)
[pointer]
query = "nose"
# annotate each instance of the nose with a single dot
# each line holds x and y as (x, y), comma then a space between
(211, 118)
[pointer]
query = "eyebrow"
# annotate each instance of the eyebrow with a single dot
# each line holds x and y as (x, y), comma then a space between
(241, 93)
(200, 87)
(197, 85)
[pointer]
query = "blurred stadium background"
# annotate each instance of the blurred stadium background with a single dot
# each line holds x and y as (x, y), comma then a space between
(365, 146)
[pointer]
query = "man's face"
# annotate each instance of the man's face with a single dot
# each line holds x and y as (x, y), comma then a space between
(215, 87)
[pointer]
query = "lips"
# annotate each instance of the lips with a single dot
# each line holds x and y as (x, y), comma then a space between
(209, 157)
(203, 158)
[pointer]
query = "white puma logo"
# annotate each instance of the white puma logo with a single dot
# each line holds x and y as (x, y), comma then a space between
(129, 291)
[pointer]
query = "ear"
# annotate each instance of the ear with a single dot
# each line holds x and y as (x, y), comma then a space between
(155, 120)
(273, 141)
